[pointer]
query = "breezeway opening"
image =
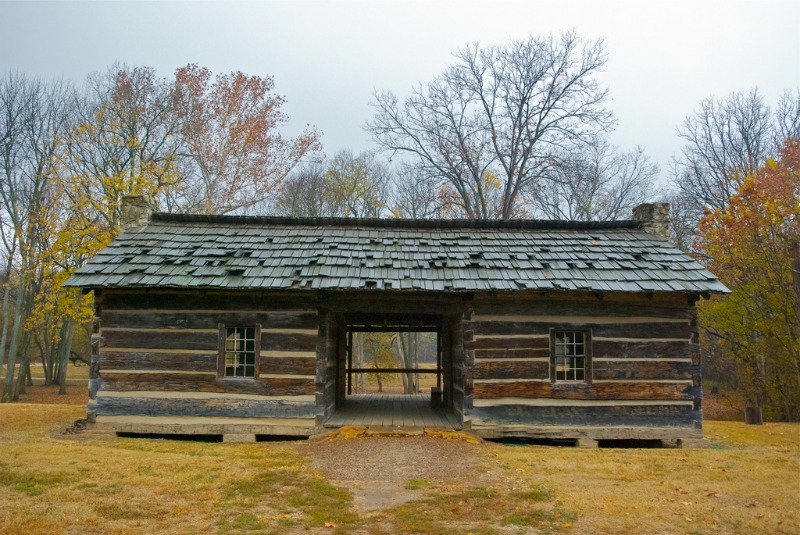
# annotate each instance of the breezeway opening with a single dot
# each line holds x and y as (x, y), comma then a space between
(394, 374)
(405, 361)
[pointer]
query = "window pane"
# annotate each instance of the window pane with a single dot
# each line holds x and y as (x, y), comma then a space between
(240, 352)
(569, 359)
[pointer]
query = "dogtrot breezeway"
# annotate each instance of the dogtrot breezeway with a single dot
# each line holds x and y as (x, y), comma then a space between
(392, 410)
(395, 370)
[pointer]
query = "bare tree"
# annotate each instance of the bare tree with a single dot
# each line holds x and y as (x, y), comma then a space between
(594, 182)
(416, 194)
(726, 141)
(498, 115)
(34, 120)
(788, 116)
(684, 214)
(347, 185)
(303, 193)
(356, 185)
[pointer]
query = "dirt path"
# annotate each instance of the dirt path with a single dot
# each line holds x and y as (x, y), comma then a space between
(380, 471)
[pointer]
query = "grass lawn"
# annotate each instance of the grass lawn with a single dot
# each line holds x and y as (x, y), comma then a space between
(50, 482)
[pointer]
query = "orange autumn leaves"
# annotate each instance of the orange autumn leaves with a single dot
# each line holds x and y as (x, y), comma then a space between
(752, 246)
(761, 218)
(229, 125)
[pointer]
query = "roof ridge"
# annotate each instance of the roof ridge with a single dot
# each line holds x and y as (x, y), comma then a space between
(434, 224)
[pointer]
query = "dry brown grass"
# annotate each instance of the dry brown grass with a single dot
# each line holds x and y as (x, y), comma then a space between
(77, 394)
(74, 373)
(94, 483)
(748, 482)
(77, 387)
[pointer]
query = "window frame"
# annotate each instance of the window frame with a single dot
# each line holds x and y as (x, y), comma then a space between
(222, 350)
(587, 355)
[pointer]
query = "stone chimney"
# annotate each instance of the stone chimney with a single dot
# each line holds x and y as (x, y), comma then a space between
(655, 218)
(135, 212)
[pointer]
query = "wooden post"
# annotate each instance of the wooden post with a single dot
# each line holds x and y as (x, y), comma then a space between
(439, 359)
(349, 350)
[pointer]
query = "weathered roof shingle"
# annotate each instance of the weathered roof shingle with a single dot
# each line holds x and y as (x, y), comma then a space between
(432, 255)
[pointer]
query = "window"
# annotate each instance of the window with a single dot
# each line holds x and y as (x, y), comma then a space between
(239, 349)
(570, 355)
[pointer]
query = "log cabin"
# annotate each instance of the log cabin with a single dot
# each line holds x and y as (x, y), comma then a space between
(242, 326)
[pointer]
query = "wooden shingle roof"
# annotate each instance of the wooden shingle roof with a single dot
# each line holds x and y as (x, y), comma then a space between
(429, 255)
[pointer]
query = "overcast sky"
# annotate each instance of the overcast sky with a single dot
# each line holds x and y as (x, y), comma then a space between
(327, 57)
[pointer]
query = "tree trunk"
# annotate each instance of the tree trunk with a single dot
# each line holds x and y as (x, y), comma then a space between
(406, 348)
(22, 377)
(8, 386)
(358, 353)
(4, 338)
(796, 287)
(25, 368)
(44, 357)
(64, 345)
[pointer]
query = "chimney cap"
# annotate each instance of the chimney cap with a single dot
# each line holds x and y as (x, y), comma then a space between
(654, 217)
(135, 212)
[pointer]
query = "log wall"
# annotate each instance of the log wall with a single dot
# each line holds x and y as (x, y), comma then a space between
(644, 378)
(155, 361)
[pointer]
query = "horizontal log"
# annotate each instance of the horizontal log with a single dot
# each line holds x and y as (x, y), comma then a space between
(607, 330)
(500, 342)
(288, 365)
(305, 398)
(590, 316)
(186, 382)
(146, 361)
(511, 370)
(643, 370)
(202, 340)
(210, 425)
(245, 408)
(624, 415)
(271, 341)
(645, 391)
(577, 303)
(154, 319)
(143, 360)
(639, 350)
(205, 300)
(177, 340)
(490, 430)
(512, 353)
(361, 306)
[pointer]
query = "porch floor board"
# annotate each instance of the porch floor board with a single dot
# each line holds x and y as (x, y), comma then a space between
(391, 410)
